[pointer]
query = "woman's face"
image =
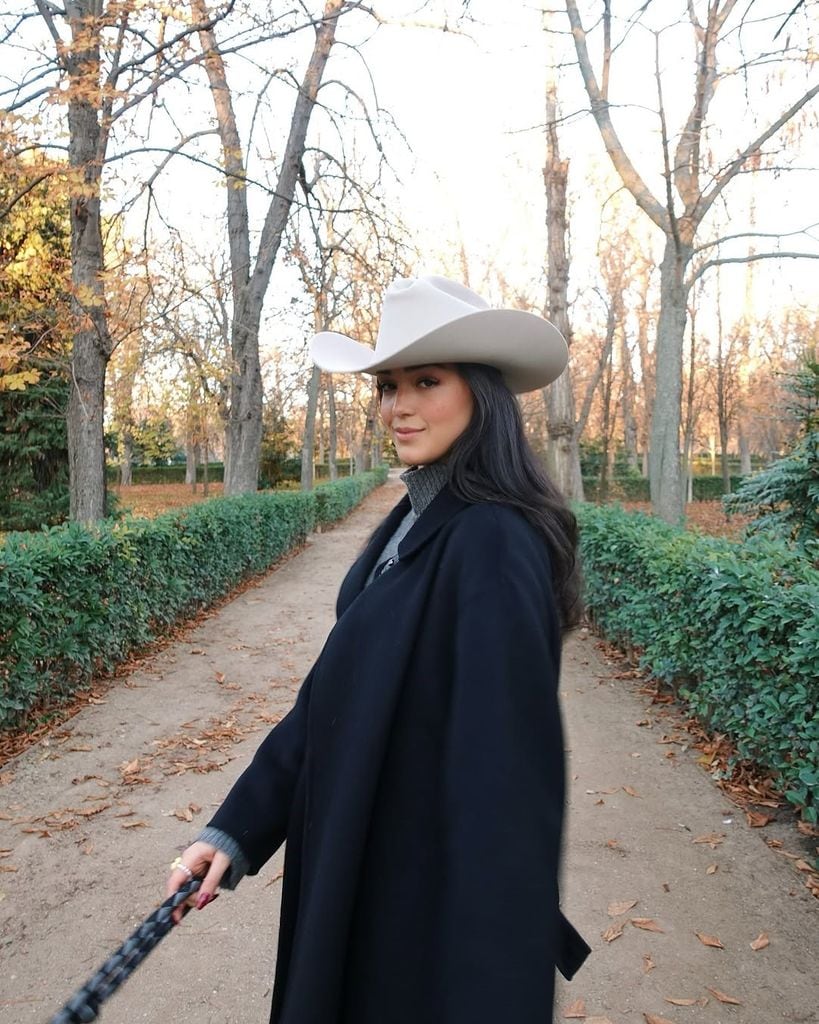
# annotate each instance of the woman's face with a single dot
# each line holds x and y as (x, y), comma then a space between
(426, 409)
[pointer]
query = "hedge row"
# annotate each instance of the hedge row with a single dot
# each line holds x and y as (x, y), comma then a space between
(734, 627)
(74, 601)
(636, 488)
(287, 469)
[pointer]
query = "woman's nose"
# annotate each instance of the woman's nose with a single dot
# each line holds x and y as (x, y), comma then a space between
(402, 406)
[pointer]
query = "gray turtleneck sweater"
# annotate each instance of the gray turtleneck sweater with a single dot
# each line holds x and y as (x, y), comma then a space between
(423, 484)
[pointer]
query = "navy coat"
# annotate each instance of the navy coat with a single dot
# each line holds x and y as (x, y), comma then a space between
(419, 782)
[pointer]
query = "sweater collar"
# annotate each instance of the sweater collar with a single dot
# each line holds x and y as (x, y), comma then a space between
(424, 483)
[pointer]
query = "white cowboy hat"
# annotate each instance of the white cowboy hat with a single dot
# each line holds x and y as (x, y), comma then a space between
(434, 320)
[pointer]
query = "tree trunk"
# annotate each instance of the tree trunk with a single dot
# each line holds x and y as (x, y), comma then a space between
(191, 462)
(320, 427)
(243, 430)
(309, 439)
(665, 471)
(744, 453)
(126, 460)
(332, 422)
(563, 449)
(627, 402)
(91, 346)
(606, 429)
(205, 465)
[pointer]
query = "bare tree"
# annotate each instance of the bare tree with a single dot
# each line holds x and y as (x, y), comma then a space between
(563, 450)
(692, 185)
(250, 279)
(106, 60)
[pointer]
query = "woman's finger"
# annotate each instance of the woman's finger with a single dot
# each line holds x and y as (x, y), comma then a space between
(210, 883)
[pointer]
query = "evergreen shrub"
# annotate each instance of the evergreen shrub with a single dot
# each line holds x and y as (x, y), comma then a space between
(75, 601)
(334, 500)
(734, 627)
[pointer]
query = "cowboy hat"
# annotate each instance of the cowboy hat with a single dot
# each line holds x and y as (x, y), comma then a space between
(434, 320)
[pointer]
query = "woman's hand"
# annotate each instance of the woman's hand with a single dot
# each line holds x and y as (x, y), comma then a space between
(202, 861)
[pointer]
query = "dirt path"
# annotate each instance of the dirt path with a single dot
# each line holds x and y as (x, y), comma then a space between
(90, 819)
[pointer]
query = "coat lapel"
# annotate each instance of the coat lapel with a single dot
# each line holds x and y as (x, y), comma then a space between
(356, 578)
(443, 507)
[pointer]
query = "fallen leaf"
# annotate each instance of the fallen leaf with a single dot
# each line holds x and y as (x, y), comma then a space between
(709, 940)
(6, 853)
(652, 1018)
(621, 907)
(220, 677)
(89, 812)
(6, 778)
(774, 844)
(757, 820)
(681, 1002)
(612, 843)
(130, 767)
(712, 839)
(760, 942)
(648, 924)
(135, 824)
(805, 827)
(576, 1010)
(802, 865)
(711, 869)
(648, 963)
(723, 998)
(631, 791)
(80, 749)
(7, 867)
(183, 813)
(666, 887)
(599, 803)
(613, 932)
(196, 650)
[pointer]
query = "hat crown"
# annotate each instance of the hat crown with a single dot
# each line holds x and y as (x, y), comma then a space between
(416, 306)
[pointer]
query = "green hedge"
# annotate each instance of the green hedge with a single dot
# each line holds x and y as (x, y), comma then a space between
(75, 601)
(735, 627)
(335, 500)
(636, 488)
(167, 474)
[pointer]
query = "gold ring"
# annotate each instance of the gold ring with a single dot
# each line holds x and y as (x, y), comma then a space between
(177, 864)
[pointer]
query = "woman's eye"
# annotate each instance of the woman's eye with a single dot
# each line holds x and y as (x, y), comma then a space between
(427, 382)
(383, 386)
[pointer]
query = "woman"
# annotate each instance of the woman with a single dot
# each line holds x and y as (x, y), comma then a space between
(419, 778)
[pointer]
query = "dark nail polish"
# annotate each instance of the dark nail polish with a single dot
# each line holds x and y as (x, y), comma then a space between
(204, 900)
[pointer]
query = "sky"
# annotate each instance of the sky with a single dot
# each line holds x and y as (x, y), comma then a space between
(470, 104)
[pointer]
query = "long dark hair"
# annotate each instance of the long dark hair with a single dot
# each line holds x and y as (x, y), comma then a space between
(493, 461)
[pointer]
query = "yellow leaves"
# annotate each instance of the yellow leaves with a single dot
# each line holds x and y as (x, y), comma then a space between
(14, 374)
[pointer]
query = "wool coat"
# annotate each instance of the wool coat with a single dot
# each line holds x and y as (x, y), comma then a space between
(419, 783)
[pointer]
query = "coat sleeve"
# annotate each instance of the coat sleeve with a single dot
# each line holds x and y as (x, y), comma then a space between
(503, 784)
(256, 811)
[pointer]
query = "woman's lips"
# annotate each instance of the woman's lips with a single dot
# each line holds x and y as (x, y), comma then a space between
(405, 432)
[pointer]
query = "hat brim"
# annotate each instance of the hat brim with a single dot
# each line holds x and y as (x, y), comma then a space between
(529, 351)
